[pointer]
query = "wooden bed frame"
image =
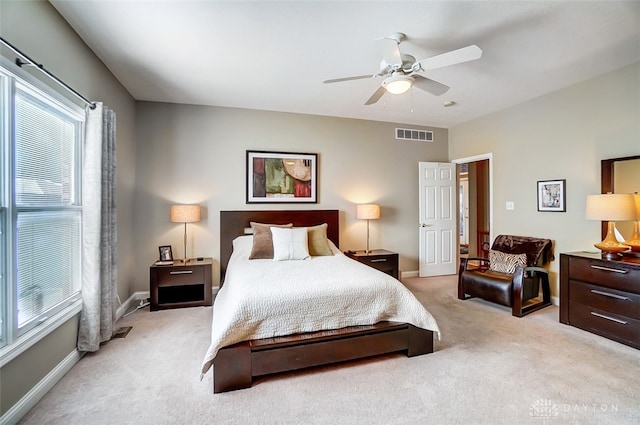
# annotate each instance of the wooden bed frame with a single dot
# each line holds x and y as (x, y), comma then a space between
(235, 366)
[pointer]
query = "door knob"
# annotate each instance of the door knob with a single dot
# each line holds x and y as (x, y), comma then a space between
(425, 225)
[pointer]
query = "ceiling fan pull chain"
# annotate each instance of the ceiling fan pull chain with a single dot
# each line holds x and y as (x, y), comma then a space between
(411, 94)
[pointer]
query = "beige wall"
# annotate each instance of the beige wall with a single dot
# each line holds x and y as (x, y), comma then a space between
(563, 135)
(38, 30)
(196, 154)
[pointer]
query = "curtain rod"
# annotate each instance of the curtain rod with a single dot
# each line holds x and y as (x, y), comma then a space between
(40, 67)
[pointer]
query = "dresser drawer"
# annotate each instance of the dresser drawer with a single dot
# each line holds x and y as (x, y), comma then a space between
(171, 276)
(605, 273)
(620, 302)
(620, 328)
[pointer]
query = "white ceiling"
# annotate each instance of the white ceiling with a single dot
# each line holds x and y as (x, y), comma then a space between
(274, 56)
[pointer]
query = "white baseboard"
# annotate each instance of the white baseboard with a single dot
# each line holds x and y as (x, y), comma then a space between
(36, 393)
(131, 302)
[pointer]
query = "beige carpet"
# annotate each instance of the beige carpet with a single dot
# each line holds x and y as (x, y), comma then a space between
(489, 368)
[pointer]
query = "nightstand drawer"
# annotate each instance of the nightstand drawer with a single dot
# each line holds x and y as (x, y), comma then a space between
(176, 276)
(387, 262)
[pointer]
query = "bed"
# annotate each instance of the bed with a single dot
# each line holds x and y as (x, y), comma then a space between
(237, 358)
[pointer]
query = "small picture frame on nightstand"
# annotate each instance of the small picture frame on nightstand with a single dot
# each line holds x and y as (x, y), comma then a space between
(165, 253)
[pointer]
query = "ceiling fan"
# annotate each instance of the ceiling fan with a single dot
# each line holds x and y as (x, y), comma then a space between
(402, 71)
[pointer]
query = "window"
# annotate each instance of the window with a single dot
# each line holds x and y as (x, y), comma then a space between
(40, 205)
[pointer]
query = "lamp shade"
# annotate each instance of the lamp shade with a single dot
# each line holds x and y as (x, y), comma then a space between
(611, 207)
(637, 199)
(368, 212)
(185, 213)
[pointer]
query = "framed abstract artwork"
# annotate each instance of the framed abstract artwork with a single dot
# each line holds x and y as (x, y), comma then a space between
(281, 177)
(552, 196)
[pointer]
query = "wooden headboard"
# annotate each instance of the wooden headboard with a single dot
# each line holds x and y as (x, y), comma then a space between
(233, 223)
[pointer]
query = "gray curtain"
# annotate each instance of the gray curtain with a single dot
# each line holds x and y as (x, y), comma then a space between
(99, 237)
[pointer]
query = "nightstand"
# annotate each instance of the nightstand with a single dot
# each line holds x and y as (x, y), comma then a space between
(180, 284)
(381, 259)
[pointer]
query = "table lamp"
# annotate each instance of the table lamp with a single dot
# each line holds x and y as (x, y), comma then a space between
(634, 241)
(611, 207)
(185, 214)
(368, 212)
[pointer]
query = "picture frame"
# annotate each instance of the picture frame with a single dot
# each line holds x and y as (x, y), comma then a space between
(165, 253)
(552, 195)
(281, 177)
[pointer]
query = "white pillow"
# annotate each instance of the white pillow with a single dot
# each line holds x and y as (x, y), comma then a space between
(289, 244)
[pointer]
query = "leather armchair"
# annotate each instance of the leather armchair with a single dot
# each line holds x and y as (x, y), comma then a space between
(477, 277)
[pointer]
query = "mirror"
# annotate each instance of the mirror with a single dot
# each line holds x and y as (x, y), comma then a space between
(620, 175)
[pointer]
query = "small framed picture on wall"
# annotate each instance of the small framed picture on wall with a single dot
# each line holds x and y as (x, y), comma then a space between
(552, 196)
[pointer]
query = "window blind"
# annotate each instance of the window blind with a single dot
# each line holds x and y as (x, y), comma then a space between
(46, 189)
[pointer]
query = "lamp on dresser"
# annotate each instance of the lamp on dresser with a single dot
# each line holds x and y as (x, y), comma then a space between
(368, 212)
(634, 240)
(611, 207)
(185, 214)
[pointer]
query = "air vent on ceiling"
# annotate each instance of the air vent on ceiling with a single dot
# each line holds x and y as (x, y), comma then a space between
(415, 135)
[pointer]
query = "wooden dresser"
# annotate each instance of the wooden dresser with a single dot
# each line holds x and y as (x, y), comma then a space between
(601, 296)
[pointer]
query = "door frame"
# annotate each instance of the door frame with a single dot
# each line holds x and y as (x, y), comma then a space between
(475, 158)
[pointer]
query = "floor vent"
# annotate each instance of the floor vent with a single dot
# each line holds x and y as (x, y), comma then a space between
(415, 135)
(122, 332)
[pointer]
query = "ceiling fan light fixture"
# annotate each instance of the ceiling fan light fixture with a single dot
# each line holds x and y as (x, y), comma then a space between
(398, 84)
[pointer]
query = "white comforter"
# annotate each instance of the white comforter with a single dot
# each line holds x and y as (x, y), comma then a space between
(266, 298)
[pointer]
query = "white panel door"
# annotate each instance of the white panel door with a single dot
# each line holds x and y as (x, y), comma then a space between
(437, 203)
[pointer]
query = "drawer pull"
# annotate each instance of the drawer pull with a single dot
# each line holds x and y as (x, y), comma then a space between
(613, 319)
(608, 269)
(182, 272)
(608, 294)
(378, 260)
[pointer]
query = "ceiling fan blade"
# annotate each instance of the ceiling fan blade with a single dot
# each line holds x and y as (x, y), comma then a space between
(356, 77)
(453, 57)
(390, 51)
(429, 85)
(376, 96)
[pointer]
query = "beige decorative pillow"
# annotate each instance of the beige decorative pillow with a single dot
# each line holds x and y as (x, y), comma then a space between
(318, 242)
(262, 241)
(506, 263)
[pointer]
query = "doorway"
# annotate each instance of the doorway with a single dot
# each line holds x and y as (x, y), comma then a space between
(475, 213)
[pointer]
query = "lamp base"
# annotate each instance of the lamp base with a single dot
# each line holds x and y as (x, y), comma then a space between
(611, 256)
(611, 252)
(610, 247)
(634, 240)
(634, 244)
